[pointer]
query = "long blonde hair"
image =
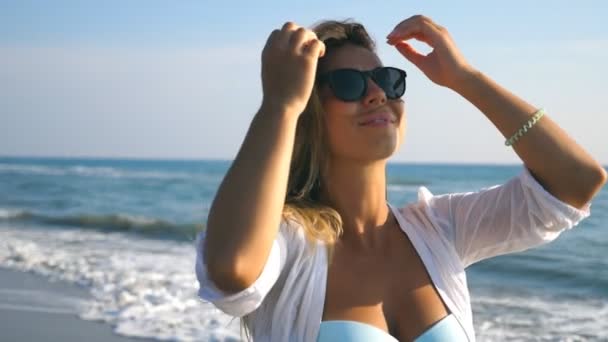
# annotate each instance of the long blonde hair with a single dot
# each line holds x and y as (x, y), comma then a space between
(309, 162)
(310, 152)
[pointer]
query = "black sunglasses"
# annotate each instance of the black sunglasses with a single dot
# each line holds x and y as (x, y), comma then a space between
(351, 84)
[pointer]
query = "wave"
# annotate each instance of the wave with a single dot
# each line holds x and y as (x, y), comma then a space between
(7, 214)
(536, 316)
(397, 181)
(144, 288)
(90, 171)
(109, 222)
(400, 184)
(403, 188)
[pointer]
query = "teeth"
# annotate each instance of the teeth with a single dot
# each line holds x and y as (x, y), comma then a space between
(379, 120)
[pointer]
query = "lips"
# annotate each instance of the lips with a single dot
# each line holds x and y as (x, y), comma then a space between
(383, 117)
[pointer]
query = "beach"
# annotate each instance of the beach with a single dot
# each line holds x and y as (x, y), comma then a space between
(34, 308)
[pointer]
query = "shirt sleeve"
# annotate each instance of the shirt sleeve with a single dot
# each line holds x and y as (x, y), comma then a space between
(501, 219)
(241, 303)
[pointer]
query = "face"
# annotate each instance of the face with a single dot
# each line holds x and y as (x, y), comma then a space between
(347, 137)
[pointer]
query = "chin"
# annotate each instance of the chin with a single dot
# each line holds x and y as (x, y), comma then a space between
(381, 152)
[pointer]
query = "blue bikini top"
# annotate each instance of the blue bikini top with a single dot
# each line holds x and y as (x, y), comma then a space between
(447, 329)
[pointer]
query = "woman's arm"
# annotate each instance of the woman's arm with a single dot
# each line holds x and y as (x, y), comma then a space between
(245, 215)
(557, 162)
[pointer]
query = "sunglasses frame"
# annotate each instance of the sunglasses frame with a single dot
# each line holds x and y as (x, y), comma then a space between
(327, 77)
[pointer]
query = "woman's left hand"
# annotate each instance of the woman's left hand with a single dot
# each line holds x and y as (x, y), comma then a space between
(445, 65)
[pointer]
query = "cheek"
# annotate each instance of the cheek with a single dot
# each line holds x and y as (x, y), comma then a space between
(340, 120)
(402, 127)
(399, 110)
(340, 112)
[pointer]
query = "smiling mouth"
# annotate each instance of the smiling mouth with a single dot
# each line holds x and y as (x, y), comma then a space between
(377, 117)
(377, 121)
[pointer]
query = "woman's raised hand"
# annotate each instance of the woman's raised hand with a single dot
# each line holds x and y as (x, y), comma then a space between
(445, 65)
(289, 63)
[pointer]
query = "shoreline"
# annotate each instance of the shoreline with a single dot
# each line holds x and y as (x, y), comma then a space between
(35, 308)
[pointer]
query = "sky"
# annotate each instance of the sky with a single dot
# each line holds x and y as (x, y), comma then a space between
(181, 79)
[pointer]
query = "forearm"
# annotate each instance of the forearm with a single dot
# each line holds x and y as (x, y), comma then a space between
(562, 166)
(245, 215)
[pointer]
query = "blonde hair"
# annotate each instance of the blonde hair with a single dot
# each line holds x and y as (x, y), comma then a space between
(309, 162)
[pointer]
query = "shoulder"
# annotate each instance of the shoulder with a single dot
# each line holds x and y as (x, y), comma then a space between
(422, 205)
(292, 236)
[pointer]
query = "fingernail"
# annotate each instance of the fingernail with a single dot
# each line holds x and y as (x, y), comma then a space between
(391, 34)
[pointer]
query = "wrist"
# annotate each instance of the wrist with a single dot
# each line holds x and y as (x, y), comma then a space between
(278, 108)
(466, 81)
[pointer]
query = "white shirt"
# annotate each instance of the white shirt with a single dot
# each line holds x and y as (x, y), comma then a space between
(450, 232)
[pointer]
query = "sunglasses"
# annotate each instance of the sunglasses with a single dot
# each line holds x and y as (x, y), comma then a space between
(351, 84)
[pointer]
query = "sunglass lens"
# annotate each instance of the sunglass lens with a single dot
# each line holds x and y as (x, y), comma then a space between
(348, 85)
(392, 81)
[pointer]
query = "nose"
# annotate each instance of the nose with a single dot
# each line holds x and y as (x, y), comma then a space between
(375, 95)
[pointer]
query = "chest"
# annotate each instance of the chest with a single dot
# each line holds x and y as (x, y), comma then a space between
(391, 290)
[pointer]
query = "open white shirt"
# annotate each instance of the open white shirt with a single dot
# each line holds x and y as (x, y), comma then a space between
(450, 232)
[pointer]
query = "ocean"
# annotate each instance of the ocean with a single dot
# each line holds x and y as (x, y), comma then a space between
(125, 229)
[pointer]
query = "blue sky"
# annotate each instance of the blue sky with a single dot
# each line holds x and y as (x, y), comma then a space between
(154, 79)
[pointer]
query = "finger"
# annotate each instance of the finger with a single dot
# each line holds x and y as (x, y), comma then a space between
(273, 37)
(286, 32)
(418, 27)
(412, 35)
(424, 34)
(289, 26)
(315, 48)
(410, 53)
(413, 20)
(298, 37)
(322, 48)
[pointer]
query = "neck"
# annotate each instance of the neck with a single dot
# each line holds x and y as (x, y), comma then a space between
(358, 192)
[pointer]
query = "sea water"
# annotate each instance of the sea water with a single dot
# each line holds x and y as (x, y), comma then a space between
(125, 229)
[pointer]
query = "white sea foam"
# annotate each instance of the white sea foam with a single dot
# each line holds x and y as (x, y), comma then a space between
(145, 288)
(403, 187)
(92, 171)
(138, 220)
(9, 213)
(31, 169)
(518, 317)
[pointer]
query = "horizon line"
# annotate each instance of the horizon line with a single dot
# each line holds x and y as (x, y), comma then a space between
(191, 159)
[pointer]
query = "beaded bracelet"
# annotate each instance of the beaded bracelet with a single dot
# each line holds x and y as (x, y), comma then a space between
(525, 127)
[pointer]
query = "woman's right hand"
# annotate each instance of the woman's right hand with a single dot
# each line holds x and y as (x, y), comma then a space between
(289, 64)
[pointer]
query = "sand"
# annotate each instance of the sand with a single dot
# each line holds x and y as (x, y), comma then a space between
(33, 308)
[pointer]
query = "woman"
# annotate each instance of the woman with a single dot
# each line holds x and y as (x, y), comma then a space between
(301, 241)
